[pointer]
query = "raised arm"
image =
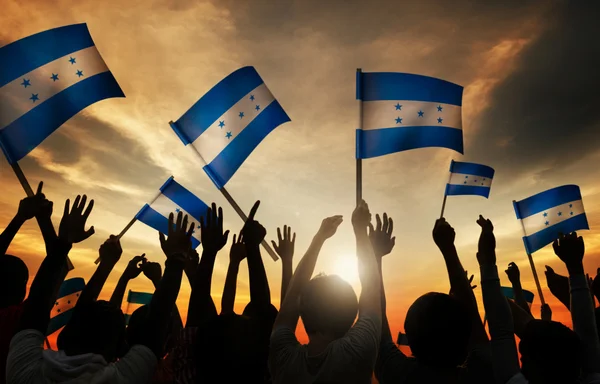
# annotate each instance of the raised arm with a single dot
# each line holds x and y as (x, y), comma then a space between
(110, 254)
(133, 270)
(289, 313)
(570, 249)
(559, 286)
(443, 236)
(201, 306)
(514, 275)
(254, 233)
(504, 350)
(236, 255)
(285, 249)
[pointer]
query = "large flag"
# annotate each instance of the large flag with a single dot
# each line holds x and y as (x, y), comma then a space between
(229, 121)
(134, 301)
(45, 79)
(173, 198)
(61, 312)
(401, 111)
(509, 293)
(545, 215)
(469, 179)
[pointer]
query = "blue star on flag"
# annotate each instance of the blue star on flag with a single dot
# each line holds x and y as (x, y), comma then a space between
(257, 108)
(398, 120)
(34, 97)
(571, 213)
(440, 120)
(559, 213)
(79, 73)
(26, 83)
(228, 135)
(72, 60)
(545, 214)
(398, 107)
(177, 210)
(241, 114)
(54, 76)
(221, 124)
(547, 223)
(439, 107)
(252, 97)
(421, 113)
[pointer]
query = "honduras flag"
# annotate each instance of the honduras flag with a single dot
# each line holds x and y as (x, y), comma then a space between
(173, 198)
(469, 179)
(545, 215)
(509, 293)
(401, 111)
(228, 122)
(45, 79)
(134, 301)
(61, 312)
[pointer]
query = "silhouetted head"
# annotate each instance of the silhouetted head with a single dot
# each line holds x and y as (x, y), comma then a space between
(550, 353)
(135, 328)
(438, 328)
(13, 280)
(328, 306)
(96, 327)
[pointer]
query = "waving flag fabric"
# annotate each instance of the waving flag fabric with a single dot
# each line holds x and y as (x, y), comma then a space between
(229, 122)
(469, 179)
(45, 79)
(402, 111)
(545, 215)
(173, 198)
(509, 293)
(68, 294)
(134, 301)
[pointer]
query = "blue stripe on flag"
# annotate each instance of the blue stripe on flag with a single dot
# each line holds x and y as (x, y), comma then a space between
(231, 158)
(379, 142)
(406, 86)
(143, 298)
(547, 199)
(472, 169)
(28, 131)
(70, 286)
(509, 293)
(454, 190)
(59, 321)
(185, 199)
(216, 102)
(153, 219)
(29, 53)
(546, 236)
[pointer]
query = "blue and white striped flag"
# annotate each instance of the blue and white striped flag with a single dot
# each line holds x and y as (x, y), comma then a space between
(173, 198)
(45, 79)
(545, 215)
(229, 121)
(401, 111)
(134, 301)
(469, 179)
(61, 312)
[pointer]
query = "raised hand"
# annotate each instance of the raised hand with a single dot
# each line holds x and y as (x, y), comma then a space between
(253, 232)
(72, 225)
(546, 312)
(329, 226)
(177, 245)
(361, 217)
(36, 205)
(134, 267)
(471, 280)
(191, 264)
(513, 273)
(443, 234)
(110, 251)
(238, 250)
(211, 230)
(381, 236)
(285, 245)
(486, 254)
(559, 286)
(152, 271)
(570, 249)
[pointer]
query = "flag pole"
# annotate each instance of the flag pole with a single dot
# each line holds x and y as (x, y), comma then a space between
(446, 191)
(235, 205)
(531, 263)
(360, 119)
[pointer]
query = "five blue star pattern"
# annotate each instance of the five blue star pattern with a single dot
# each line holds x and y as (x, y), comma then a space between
(420, 113)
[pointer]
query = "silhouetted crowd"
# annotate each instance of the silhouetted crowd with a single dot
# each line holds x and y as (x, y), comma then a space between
(349, 337)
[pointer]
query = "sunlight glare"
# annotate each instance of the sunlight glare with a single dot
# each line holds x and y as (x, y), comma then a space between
(347, 268)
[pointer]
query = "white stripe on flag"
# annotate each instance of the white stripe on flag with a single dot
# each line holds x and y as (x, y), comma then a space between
(386, 114)
(552, 216)
(470, 180)
(212, 141)
(165, 206)
(16, 96)
(63, 304)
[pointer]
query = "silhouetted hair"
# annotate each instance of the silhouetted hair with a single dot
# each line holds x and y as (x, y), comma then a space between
(136, 327)
(550, 353)
(13, 280)
(96, 327)
(438, 328)
(329, 305)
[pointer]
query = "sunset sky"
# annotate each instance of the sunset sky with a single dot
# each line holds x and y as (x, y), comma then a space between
(530, 73)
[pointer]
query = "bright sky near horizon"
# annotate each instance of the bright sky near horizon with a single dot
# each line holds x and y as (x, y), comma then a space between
(529, 110)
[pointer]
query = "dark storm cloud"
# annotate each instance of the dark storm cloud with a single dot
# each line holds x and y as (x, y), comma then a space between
(547, 110)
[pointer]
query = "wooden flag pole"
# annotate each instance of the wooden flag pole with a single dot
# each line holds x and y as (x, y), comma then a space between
(359, 160)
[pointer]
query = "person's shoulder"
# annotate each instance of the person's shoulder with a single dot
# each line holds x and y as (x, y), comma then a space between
(139, 351)
(27, 336)
(518, 379)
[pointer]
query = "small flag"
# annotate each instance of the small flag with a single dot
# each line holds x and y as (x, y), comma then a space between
(45, 79)
(545, 215)
(509, 294)
(469, 179)
(134, 301)
(229, 122)
(61, 312)
(401, 111)
(173, 198)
